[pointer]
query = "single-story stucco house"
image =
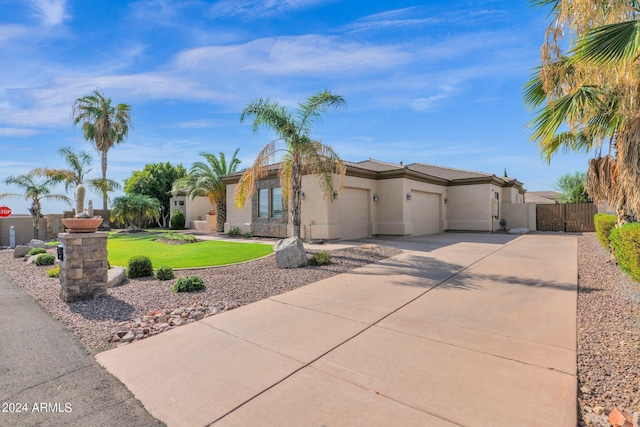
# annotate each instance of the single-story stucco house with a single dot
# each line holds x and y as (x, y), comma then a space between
(380, 198)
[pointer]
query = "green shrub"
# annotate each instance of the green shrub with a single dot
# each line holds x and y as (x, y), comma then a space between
(165, 273)
(172, 235)
(45, 259)
(139, 266)
(320, 258)
(604, 223)
(188, 284)
(36, 251)
(625, 242)
(54, 272)
(234, 231)
(248, 235)
(177, 221)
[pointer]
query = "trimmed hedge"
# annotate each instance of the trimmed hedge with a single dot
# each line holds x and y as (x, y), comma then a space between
(139, 266)
(177, 221)
(604, 223)
(625, 242)
(37, 251)
(320, 258)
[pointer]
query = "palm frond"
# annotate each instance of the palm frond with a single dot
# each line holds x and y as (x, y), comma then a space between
(259, 169)
(610, 44)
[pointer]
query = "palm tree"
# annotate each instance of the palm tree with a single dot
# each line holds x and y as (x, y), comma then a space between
(204, 180)
(36, 188)
(103, 124)
(302, 155)
(589, 102)
(135, 209)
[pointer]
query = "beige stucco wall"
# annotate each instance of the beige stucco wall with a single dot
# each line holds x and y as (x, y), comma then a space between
(469, 207)
(191, 208)
(519, 215)
(237, 217)
(24, 229)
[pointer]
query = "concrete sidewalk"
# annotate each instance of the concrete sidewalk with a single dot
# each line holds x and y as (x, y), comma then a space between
(48, 378)
(472, 330)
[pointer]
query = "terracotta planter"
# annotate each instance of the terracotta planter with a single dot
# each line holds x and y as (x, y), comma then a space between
(82, 225)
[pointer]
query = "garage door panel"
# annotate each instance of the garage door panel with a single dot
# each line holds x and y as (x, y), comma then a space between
(425, 212)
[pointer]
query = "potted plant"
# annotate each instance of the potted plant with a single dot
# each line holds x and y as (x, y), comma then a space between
(83, 221)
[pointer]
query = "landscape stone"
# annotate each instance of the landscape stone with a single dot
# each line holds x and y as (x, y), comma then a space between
(593, 420)
(36, 243)
(128, 337)
(636, 419)
(290, 253)
(115, 276)
(619, 419)
(519, 231)
(20, 251)
(598, 410)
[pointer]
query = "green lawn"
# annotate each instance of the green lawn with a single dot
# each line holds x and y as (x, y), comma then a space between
(208, 253)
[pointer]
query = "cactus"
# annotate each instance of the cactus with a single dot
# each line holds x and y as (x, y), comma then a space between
(90, 209)
(80, 193)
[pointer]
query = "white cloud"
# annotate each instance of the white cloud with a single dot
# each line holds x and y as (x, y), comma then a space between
(261, 8)
(52, 12)
(8, 131)
(307, 54)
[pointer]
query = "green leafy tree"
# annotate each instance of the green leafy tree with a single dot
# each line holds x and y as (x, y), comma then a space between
(105, 125)
(204, 180)
(35, 188)
(572, 188)
(301, 154)
(135, 210)
(156, 180)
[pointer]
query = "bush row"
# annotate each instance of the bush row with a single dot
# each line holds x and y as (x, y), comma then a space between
(623, 241)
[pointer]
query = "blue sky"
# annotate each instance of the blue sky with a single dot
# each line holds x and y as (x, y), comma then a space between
(437, 82)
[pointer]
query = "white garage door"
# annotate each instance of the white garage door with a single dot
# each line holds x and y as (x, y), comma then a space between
(425, 212)
(354, 211)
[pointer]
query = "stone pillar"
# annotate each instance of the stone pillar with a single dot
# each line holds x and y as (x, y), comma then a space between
(83, 271)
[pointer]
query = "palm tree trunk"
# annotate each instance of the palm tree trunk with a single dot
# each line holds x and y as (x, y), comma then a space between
(104, 180)
(296, 185)
(221, 207)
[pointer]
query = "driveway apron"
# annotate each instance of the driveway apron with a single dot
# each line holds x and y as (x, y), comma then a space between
(460, 329)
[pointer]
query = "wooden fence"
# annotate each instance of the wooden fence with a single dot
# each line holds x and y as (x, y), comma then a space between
(569, 217)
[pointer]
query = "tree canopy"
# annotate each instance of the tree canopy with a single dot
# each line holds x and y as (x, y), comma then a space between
(572, 188)
(156, 180)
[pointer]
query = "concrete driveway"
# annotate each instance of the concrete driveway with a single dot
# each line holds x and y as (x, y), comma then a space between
(461, 329)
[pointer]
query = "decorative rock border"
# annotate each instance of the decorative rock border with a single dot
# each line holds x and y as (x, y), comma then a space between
(159, 321)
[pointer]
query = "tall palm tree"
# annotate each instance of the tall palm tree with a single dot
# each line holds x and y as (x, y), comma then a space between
(302, 155)
(204, 180)
(35, 188)
(103, 124)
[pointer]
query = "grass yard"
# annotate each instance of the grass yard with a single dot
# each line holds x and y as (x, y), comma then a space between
(207, 253)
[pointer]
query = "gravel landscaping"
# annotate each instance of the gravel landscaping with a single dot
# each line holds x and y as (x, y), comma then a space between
(608, 333)
(127, 307)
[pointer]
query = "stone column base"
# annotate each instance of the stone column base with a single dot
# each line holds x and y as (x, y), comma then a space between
(83, 271)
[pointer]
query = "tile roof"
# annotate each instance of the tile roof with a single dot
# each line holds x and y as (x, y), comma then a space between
(450, 174)
(375, 165)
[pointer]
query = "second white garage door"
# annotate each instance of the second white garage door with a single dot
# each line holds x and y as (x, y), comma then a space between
(425, 212)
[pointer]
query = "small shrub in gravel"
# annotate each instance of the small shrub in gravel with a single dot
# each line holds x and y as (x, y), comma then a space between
(178, 237)
(165, 273)
(139, 266)
(320, 258)
(234, 231)
(54, 272)
(604, 223)
(45, 259)
(188, 284)
(625, 242)
(248, 235)
(36, 251)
